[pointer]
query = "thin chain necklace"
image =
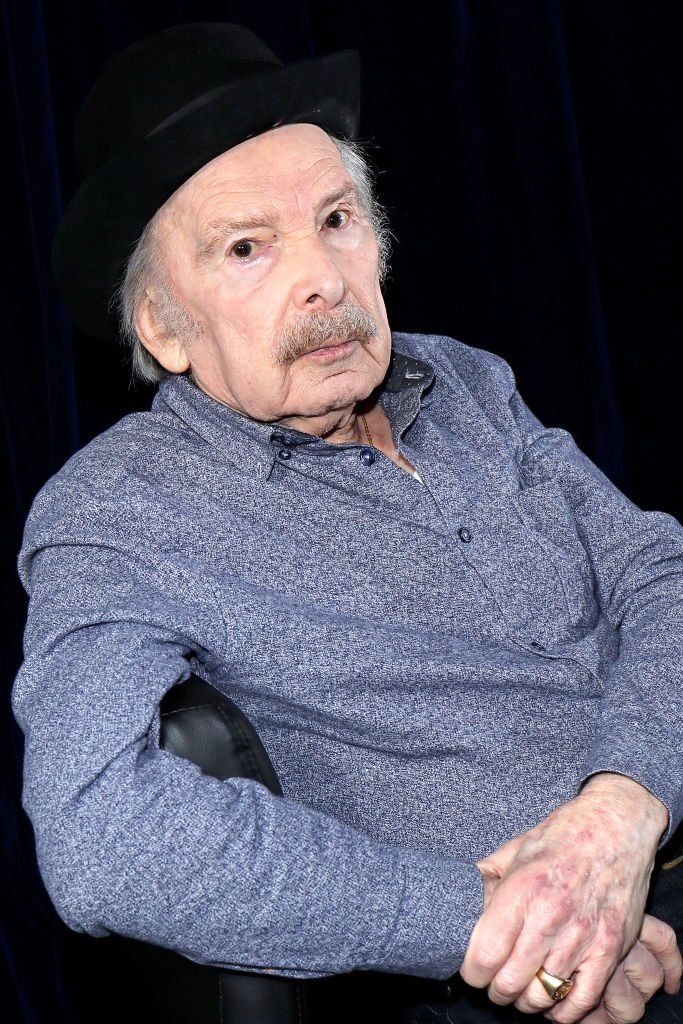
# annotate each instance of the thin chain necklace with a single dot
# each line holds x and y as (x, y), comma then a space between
(367, 431)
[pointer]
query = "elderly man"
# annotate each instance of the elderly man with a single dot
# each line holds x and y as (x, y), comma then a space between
(459, 643)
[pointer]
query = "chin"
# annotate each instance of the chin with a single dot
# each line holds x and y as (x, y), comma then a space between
(344, 398)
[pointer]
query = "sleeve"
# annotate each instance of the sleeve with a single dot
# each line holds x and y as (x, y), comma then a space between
(133, 840)
(637, 564)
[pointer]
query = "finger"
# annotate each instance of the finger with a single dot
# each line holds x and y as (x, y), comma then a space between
(622, 1001)
(590, 981)
(535, 999)
(621, 1004)
(557, 945)
(528, 994)
(643, 970)
(633, 982)
(492, 940)
(661, 941)
(581, 1000)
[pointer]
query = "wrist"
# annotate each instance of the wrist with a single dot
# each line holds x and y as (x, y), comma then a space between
(624, 794)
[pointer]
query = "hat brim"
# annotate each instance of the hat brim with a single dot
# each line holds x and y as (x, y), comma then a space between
(103, 221)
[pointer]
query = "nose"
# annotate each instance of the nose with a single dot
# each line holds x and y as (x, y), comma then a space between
(317, 279)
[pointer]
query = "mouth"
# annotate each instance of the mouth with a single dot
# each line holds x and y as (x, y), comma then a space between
(333, 349)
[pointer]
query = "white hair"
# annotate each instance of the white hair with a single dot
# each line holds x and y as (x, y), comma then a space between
(145, 270)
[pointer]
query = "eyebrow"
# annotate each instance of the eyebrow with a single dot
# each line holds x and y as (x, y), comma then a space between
(347, 192)
(216, 232)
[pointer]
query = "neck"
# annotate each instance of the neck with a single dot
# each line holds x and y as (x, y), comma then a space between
(341, 426)
(367, 424)
(352, 427)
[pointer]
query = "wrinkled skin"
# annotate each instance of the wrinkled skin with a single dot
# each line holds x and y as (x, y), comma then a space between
(570, 894)
(652, 963)
(269, 232)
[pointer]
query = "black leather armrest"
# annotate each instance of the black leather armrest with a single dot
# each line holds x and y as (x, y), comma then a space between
(205, 727)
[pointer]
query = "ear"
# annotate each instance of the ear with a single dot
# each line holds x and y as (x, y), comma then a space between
(166, 348)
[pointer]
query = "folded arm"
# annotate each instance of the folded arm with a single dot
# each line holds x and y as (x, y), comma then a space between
(134, 840)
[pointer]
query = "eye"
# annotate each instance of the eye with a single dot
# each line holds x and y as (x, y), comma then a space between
(338, 219)
(243, 249)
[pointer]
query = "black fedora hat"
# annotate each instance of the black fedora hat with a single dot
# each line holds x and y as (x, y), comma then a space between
(158, 113)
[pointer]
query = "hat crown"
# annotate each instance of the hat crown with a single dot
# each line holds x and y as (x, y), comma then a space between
(156, 77)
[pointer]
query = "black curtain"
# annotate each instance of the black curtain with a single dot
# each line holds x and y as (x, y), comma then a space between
(527, 155)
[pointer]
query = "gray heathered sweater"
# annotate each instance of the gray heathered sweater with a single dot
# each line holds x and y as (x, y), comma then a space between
(432, 668)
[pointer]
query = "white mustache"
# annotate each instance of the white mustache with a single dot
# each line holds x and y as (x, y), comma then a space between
(314, 330)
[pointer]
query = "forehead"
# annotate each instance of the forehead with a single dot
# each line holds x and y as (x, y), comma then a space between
(279, 173)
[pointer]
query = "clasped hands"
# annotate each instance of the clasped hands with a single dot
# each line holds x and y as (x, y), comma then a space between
(570, 895)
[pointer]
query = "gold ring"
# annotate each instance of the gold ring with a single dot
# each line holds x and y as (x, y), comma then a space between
(557, 988)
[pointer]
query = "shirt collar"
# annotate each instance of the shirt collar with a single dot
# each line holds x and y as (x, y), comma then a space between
(252, 446)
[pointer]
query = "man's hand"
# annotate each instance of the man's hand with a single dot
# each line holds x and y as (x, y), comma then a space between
(568, 895)
(653, 961)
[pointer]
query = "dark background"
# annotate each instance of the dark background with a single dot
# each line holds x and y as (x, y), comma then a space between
(527, 157)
